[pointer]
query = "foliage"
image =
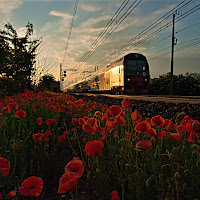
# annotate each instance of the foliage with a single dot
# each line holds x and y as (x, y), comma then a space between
(45, 82)
(118, 150)
(188, 84)
(17, 57)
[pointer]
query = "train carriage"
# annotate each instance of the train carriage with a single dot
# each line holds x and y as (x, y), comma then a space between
(129, 74)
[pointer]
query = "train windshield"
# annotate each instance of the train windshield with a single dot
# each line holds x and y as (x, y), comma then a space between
(136, 67)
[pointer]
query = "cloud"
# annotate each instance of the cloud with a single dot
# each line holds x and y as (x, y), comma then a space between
(58, 13)
(90, 8)
(6, 7)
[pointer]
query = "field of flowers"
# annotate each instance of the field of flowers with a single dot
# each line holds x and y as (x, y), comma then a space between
(54, 146)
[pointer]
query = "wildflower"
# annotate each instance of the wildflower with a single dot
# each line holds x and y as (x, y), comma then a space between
(143, 145)
(157, 121)
(135, 116)
(50, 121)
(67, 182)
(175, 137)
(39, 120)
(4, 166)
(169, 124)
(163, 135)
(94, 148)
(11, 194)
(88, 128)
(115, 110)
(37, 136)
(1, 196)
(13, 105)
(46, 135)
(193, 136)
(151, 132)
(31, 186)
(120, 120)
(76, 165)
(126, 103)
(20, 113)
(142, 126)
(74, 121)
(114, 195)
(62, 138)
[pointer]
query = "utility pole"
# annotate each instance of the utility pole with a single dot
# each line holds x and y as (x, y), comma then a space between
(60, 76)
(172, 58)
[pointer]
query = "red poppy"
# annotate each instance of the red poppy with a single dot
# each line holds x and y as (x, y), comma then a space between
(46, 135)
(135, 116)
(4, 166)
(1, 106)
(169, 124)
(11, 194)
(143, 145)
(6, 109)
(76, 165)
(151, 132)
(105, 107)
(94, 148)
(50, 121)
(88, 128)
(67, 182)
(1, 196)
(120, 120)
(52, 107)
(115, 110)
(110, 125)
(185, 120)
(181, 129)
(13, 105)
(39, 120)
(74, 121)
(97, 114)
(20, 113)
(192, 137)
(126, 103)
(62, 138)
(193, 126)
(81, 121)
(163, 135)
(66, 133)
(157, 121)
(37, 136)
(31, 186)
(175, 137)
(114, 195)
(62, 107)
(142, 126)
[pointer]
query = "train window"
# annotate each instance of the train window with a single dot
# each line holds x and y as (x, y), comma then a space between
(141, 65)
(132, 65)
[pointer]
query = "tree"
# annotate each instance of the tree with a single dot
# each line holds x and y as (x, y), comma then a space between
(18, 55)
(45, 82)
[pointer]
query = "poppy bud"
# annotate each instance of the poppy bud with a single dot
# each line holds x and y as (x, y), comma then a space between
(170, 156)
(177, 176)
(98, 170)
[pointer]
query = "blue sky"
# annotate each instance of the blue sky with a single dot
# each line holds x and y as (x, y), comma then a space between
(52, 19)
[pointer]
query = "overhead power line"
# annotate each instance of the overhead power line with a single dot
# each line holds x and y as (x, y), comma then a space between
(71, 27)
(109, 29)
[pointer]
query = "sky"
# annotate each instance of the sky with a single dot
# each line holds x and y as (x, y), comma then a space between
(67, 34)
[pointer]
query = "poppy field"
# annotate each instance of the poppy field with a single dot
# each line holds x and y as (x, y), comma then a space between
(54, 146)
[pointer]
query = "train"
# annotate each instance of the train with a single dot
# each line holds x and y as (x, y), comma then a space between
(127, 75)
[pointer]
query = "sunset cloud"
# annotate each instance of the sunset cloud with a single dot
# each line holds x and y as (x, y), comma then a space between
(6, 7)
(58, 13)
(90, 8)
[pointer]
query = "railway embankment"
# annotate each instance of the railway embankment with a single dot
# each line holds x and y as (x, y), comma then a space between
(170, 108)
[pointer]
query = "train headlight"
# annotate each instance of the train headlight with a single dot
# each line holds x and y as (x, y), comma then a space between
(145, 79)
(128, 79)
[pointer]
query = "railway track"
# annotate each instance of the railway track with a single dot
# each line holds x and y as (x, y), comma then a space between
(167, 99)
